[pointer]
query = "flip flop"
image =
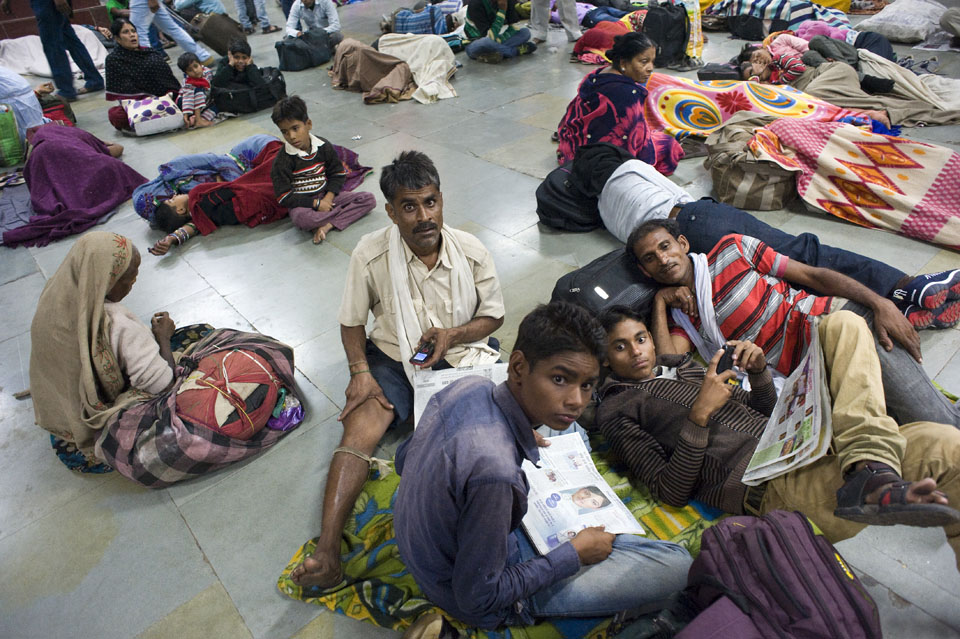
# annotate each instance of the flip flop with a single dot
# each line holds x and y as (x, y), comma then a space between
(271, 29)
(892, 507)
(13, 178)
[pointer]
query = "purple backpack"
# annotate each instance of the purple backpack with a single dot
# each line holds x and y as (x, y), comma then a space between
(776, 576)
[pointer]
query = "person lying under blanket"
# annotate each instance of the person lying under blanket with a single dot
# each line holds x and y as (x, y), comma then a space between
(682, 450)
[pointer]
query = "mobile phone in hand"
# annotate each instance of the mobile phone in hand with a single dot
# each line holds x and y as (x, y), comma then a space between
(726, 360)
(423, 354)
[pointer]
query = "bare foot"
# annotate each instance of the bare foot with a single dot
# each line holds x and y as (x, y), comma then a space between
(318, 570)
(115, 150)
(321, 233)
(923, 491)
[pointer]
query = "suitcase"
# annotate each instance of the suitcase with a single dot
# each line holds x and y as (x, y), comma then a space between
(613, 279)
(217, 30)
(560, 204)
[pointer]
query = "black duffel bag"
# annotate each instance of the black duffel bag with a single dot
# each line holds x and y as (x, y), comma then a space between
(718, 71)
(242, 98)
(561, 204)
(309, 50)
(613, 279)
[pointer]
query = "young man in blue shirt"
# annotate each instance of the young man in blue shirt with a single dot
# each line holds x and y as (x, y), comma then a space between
(462, 493)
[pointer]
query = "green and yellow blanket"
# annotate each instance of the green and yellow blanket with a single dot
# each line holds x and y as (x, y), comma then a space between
(379, 590)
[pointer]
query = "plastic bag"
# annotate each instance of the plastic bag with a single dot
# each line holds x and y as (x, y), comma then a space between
(288, 413)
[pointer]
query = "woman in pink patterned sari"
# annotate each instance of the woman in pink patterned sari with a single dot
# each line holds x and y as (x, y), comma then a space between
(609, 107)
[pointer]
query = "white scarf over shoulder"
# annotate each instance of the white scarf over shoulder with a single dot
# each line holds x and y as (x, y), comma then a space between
(463, 291)
(708, 340)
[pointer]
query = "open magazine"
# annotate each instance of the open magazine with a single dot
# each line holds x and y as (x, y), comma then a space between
(428, 382)
(799, 430)
(567, 494)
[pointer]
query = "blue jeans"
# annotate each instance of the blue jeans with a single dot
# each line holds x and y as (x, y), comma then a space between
(508, 48)
(638, 577)
(705, 222)
(909, 394)
(153, 35)
(245, 20)
(142, 18)
(57, 37)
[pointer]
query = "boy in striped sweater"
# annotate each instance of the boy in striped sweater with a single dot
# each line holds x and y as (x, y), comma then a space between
(687, 434)
(308, 176)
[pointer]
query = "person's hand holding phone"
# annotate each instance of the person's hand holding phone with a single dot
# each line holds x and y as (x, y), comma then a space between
(424, 351)
(440, 338)
(714, 392)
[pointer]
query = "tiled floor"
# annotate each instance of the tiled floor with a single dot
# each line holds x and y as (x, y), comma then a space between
(85, 556)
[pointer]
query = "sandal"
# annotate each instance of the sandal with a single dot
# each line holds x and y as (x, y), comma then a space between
(271, 29)
(892, 507)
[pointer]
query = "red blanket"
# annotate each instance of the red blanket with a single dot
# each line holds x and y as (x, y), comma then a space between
(254, 201)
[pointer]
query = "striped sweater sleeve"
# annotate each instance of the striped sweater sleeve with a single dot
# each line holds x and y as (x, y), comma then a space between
(791, 67)
(671, 479)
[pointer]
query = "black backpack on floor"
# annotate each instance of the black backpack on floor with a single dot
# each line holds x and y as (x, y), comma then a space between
(561, 204)
(669, 27)
(610, 280)
(242, 98)
(309, 50)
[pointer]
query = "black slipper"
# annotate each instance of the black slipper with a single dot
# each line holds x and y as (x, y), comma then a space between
(892, 508)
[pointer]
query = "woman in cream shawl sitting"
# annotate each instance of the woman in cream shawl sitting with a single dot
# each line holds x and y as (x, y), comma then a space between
(105, 385)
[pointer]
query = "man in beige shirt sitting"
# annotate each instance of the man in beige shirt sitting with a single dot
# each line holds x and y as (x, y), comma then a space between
(427, 285)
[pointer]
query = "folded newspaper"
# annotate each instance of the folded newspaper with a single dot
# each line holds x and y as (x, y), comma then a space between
(800, 430)
(567, 494)
(428, 382)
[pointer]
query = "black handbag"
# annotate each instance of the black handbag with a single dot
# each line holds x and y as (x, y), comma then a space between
(561, 204)
(309, 50)
(242, 98)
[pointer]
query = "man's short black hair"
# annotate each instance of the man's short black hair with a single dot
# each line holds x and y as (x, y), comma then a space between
(186, 59)
(166, 217)
(411, 170)
(239, 45)
(646, 228)
(613, 315)
(560, 327)
(291, 107)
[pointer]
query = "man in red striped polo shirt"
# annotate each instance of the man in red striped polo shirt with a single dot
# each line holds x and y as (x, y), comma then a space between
(744, 290)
